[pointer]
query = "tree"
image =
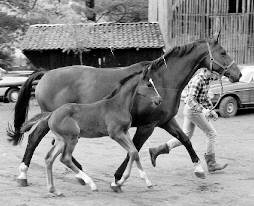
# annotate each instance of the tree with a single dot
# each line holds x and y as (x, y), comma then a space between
(90, 14)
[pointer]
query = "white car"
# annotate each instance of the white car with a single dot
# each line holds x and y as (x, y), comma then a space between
(235, 96)
(10, 83)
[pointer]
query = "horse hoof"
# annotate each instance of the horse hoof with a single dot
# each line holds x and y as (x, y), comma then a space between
(81, 181)
(200, 174)
(199, 171)
(150, 186)
(116, 188)
(22, 182)
(55, 194)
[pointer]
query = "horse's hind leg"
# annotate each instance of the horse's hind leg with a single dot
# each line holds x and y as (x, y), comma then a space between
(49, 160)
(68, 161)
(33, 140)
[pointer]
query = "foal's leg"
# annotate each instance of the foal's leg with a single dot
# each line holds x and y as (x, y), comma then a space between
(173, 128)
(67, 160)
(49, 160)
(33, 141)
(141, 135)
(125, 141)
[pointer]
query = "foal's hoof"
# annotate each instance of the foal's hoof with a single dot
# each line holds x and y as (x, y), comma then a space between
(116, 188)
(81, 181)
(22, 182)
(55, 194)
(150, 186)
(95, 190)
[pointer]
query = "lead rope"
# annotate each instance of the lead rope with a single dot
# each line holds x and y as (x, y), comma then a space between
(225, 68)
(165, 61)
(221, 93)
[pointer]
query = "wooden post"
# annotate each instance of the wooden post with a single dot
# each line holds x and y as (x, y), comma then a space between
(163, 19)
(153, 11)
(160, 11)
(169, 24)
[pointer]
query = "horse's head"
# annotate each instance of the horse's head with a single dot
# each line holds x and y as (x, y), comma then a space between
(147, 89)
(219, 61)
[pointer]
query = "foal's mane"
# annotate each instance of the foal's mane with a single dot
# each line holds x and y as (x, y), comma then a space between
(177, 51)
(121, 83)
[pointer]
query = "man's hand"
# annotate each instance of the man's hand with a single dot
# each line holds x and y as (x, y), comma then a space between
(213, 115)
(206, 112)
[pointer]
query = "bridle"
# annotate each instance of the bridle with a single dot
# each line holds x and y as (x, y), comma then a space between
(214, 61)
(224, 69)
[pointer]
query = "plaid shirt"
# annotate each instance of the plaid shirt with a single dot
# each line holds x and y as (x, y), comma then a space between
(197, 93)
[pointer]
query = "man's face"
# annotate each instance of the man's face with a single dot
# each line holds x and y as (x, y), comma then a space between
(208, 73)
(214, 76)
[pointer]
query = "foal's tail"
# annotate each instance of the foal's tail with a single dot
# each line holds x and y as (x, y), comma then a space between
(31, 122)
(21, 108)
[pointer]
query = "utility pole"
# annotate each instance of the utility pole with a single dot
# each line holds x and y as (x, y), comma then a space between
(90, 6)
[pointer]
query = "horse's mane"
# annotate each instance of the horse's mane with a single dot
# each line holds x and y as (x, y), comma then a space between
(121, 83)
(177, 51)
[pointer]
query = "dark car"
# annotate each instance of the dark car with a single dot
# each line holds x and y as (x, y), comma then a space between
(10, 83)
(235, 96)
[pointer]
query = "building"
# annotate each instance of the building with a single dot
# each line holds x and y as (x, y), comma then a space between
(50, 46)
(183, 21)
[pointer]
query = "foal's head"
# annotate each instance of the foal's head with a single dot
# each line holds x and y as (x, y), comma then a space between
(139, 83)
(147, 89)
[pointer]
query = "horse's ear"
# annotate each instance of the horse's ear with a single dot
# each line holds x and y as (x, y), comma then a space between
(217, 36)
(146, 72)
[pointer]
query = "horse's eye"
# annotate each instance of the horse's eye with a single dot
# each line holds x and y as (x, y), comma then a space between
(149, 85)
(223, 53)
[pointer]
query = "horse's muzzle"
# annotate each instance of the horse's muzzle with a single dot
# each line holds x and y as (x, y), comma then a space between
(157, 101)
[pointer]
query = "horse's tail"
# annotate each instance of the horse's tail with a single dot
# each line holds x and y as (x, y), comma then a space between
(21, 108)
(31, 122)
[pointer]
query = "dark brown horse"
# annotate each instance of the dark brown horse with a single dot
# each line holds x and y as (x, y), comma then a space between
(107, 117)
(82, 84)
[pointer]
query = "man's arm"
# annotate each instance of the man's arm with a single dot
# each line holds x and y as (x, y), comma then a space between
(193, 92)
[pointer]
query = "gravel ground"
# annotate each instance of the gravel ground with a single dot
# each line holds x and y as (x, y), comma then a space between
(173, 177)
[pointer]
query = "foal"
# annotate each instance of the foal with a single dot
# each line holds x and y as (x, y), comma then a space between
(107, 117)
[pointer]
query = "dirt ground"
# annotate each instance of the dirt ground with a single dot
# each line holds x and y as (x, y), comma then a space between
(173, 177)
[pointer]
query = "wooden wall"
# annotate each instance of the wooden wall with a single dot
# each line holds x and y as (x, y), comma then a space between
(51, 59)
(183, 21)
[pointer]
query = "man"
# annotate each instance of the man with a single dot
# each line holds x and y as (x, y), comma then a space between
(197, 112)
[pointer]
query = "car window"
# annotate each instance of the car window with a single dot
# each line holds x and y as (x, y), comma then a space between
(247, 76)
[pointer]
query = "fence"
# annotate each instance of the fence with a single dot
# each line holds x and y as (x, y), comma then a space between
(183, 21)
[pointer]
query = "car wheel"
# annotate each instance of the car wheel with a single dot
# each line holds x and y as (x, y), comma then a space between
(12, 94)
(228, 107)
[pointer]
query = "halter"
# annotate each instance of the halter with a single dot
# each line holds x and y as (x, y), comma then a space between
(212, 60)
(224, 68)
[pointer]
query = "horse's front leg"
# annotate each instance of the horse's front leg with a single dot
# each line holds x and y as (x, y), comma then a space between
(141, 135)
(125, 141)
(174, 129)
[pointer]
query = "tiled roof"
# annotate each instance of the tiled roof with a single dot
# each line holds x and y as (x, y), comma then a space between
(90, 36)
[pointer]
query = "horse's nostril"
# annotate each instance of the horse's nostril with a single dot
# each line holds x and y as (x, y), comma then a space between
(240, 75)
(157, 101)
